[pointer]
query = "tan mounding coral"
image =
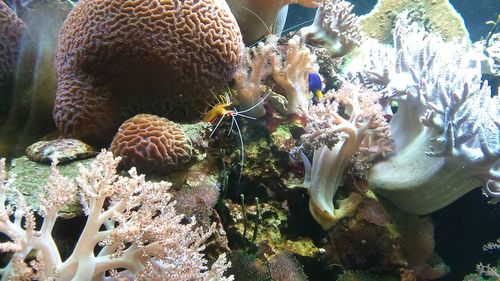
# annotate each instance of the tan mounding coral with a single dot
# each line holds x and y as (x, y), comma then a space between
(110, 49)
(151, 144)
(437, 15)
(10, 34)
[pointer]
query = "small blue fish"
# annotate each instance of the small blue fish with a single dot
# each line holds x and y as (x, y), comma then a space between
(315, 86)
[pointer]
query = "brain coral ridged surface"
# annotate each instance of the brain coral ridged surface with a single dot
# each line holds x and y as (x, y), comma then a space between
(110, 49)
(151, 144)
(10, 34)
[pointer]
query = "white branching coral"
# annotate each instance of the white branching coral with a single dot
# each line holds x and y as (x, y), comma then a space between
(335, 27)
(288, 65)
(291, 73)
(360, 133)
(253, 71)
(446, 128)
(132, 231)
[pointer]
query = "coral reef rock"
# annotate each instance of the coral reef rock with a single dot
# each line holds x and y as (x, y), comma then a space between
(60, 150)
(108, 50)
(271, 229)
(492, 52)
(32, 176)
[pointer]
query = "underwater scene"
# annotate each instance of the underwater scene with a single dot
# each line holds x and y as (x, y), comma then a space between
(250, 140)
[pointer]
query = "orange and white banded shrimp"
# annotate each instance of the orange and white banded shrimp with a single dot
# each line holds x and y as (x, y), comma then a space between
(221, 109)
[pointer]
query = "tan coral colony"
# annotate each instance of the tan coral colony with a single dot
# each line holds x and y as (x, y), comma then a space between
(116, 48)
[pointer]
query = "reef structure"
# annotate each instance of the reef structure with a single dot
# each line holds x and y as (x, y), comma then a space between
(108, 50)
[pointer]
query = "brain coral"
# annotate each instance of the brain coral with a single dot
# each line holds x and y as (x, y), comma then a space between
(151, 144)
(110, 49)
(10, 34)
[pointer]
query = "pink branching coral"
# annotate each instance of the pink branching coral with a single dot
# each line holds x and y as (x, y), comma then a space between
(446, 129)
(360, 131)
(132, 230)
(288, 68)
(250, 76)
(335, 27)
(291, 73)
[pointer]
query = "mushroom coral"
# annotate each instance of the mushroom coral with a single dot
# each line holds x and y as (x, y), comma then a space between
(446, 129)
(108, 50)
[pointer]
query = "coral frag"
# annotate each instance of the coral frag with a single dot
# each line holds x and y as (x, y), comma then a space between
(151, 143)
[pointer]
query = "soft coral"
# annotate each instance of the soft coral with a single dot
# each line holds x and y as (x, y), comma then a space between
(338, 136)
(446, 128)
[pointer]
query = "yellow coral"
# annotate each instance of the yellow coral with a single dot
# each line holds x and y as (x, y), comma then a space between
(438, 16)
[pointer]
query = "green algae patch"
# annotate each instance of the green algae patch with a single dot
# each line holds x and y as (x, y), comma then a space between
(271, 229)
(31, 177)
(437, 16)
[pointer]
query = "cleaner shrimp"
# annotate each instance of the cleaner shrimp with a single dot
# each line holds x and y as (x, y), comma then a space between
(220, 110)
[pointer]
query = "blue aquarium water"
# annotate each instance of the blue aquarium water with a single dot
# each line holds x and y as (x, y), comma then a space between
(249, 140)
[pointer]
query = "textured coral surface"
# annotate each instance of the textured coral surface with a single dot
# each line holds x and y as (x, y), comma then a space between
(10, 33)
(438, 16)
(151, 143)
(114, 48)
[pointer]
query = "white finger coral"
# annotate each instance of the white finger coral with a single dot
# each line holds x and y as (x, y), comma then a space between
(360, 134)
(253, 71)
(335, 27)
(132, 231)
(291, 73)
(288, 65)
(446, 128)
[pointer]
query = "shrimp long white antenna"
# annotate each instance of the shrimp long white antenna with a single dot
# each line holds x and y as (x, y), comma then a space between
(284, 31)
(258, 17)
(255, 105)
(234, 123)
(246, 116)
(242, 160)
(216, 126)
